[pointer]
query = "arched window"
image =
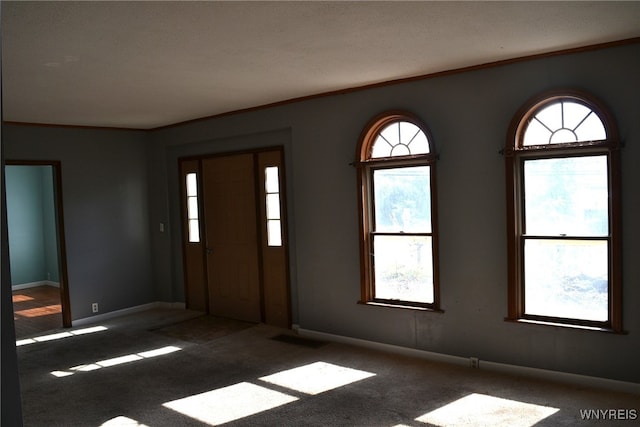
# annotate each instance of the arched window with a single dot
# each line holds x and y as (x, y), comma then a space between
(563, 179)
(398, 233)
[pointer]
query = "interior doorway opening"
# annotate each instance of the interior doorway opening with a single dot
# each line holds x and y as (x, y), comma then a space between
(36, 246)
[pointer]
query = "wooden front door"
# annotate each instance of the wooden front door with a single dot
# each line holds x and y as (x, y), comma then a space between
(236, 266)
(230, 237)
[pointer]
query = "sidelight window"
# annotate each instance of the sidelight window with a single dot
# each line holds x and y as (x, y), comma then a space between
(193, 223)
(272, 196)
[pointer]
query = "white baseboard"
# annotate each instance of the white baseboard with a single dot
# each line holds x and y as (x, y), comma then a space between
(564, 377)
(35, 285)
(130, 310)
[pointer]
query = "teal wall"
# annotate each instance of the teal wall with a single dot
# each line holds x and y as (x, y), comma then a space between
(31, 219)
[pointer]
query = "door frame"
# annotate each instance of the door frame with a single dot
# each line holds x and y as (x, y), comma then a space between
(197, 161)
(56, 167)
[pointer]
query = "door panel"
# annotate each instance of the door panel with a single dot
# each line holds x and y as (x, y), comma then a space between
(195, 280)
(274, 257)
(232, 249)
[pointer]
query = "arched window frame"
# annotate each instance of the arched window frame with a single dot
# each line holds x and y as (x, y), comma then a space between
(366, 165)
(516, 153)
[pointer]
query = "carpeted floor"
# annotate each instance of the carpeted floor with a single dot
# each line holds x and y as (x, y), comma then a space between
(202, 329)
(176, 368)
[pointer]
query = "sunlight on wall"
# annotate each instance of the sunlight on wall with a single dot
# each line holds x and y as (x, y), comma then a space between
(229, 403)
(116, 361)
(481, 410)
(60, 335)
(316, 377)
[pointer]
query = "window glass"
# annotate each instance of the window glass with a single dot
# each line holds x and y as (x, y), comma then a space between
(402, 199)
(274, 233)
(193, 224)
(567, 278)
(403, 268)
(566, 196)
(192, 185)
(272, 202)
(400, 138)
(564, 121)
(272, 184)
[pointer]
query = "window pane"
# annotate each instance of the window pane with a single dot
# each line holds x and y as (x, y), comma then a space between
(192, 207)
(381, 148)
(567, 196)
(566, 278)
(563, 136)
(271, 183)
(564, 122)
(274, 233)
(192, 185)
(403, 268)
(551, 116)
(536, 134)
(391, 134)
(273, 206)
(400, 139)
(414, 137)
(402, 199)
(591, 129)
(574, 114)
(194, 231)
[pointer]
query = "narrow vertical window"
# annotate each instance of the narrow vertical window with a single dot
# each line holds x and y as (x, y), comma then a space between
(272, 201)
(398, 216)
(193, 224)
(564, 220)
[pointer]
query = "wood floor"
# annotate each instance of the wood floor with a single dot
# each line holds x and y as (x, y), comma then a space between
(36, 310)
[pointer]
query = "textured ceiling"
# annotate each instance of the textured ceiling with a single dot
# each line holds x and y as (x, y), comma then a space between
(149, 64)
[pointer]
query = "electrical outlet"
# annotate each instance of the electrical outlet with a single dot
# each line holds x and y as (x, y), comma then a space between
(474, 362)
(94, 307)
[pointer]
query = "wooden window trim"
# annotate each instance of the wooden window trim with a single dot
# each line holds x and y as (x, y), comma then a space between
(365, 166)
(515, 154)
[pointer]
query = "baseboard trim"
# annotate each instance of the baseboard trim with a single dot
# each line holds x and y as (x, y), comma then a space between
(35, 285)
(125, 311)
(537, 373)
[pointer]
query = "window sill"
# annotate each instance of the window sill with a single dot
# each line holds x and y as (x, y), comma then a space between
(566, 325)
(401, 306)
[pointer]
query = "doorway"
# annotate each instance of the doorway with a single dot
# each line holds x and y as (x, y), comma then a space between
(235, 237)
(36, 247)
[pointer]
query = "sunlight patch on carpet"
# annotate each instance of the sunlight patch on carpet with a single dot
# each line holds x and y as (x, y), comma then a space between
(122, 421)
(482, 410)
(229, 403)
(60, 335)
(128, 358)
(316, 377)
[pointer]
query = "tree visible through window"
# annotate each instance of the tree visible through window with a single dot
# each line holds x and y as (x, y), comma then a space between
(563, 174)
(398, 238)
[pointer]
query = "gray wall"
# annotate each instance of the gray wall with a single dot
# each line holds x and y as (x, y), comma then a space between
(105, 208)
(31, 221)
(468, 115)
